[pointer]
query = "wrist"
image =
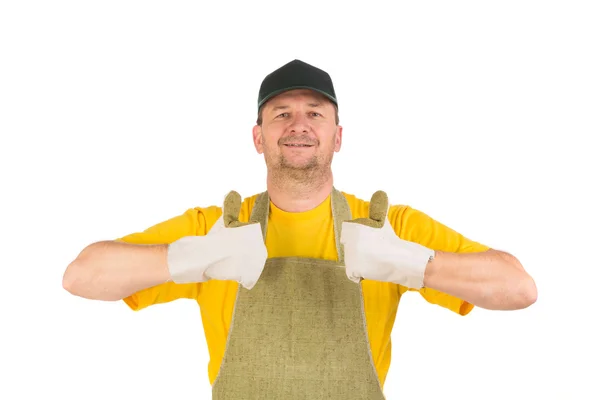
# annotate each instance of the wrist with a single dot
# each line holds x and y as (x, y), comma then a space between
(431, 268)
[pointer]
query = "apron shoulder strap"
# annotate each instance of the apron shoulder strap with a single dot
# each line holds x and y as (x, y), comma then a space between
(339, 207)
(341, 212)
(260, 212)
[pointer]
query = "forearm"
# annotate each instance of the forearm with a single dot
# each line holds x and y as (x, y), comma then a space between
(111, 270)
(492, 279)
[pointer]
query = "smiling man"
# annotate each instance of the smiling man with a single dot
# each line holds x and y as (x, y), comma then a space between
(299, 285)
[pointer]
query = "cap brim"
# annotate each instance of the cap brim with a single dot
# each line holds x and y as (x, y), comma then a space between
(275, 93)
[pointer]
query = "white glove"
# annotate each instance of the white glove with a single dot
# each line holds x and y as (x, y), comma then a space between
(237, 253)
(379, 254)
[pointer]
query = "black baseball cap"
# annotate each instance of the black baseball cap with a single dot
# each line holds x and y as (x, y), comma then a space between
(296, 75)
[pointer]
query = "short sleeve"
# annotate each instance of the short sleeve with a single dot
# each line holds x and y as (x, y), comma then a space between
(193, 222)
(416, 226)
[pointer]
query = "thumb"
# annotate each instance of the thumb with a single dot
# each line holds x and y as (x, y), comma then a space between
(378, 207)
(231, 208)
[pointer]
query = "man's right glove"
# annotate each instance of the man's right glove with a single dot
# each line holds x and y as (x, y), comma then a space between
(231, 250)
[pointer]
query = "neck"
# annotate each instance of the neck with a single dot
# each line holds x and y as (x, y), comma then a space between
(297, 196)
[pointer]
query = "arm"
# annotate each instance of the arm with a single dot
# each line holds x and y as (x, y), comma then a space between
(112, 270)
(134, 267)
(490, 279)
(464, 273)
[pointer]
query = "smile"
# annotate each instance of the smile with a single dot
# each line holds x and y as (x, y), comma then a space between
(298, 145)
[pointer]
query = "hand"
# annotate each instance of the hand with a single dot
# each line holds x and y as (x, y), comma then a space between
(373, 251)
(230, 251)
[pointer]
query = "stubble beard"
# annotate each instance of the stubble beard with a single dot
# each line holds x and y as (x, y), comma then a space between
(310, 174)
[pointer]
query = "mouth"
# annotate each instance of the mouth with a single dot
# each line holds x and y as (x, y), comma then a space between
(297, 145)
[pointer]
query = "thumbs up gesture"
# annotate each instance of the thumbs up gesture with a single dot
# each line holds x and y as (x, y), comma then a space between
(373, 251)
(232, 250)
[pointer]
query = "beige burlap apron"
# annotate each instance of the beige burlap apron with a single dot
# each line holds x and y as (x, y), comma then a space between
(300, 332)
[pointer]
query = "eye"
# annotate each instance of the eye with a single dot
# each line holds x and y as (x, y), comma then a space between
(315, 114)
(282, 114)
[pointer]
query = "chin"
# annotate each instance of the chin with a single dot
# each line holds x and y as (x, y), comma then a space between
(299, 164)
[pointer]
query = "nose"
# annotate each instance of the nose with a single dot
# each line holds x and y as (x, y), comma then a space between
(299, 124)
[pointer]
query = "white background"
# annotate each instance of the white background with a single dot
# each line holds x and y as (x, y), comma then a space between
(117, 115)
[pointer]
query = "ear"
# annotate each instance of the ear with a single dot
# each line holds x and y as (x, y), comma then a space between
(257, 138)
(338, 138)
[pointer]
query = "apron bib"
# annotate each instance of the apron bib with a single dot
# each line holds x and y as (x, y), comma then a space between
(300, 333)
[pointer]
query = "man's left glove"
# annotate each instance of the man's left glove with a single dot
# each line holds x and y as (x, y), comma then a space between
(373, 251)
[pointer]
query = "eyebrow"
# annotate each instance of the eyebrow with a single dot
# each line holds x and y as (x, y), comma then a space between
(276, 108)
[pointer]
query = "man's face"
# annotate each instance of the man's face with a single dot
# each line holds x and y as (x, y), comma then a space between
(298, 132)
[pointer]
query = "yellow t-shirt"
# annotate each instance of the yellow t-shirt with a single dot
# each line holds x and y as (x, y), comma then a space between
(306, 234)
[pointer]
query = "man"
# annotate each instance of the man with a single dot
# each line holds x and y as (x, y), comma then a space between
(299, 285)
